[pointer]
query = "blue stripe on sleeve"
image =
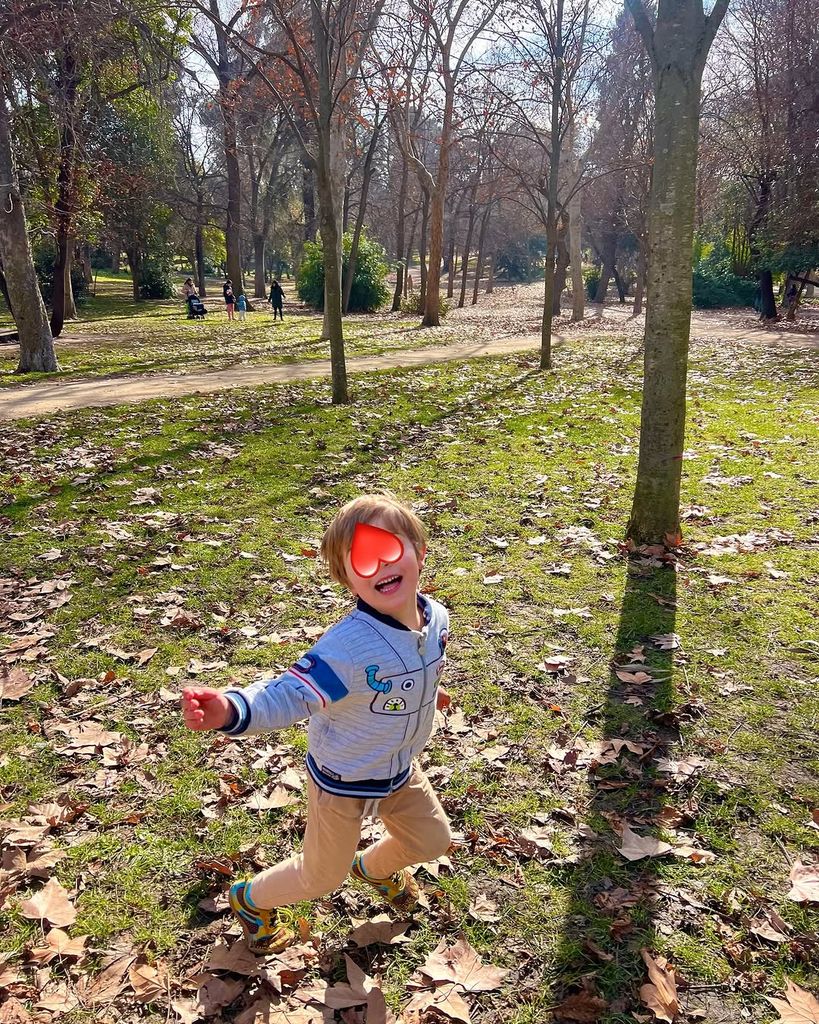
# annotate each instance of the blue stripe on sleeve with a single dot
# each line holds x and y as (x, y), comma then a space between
(239, 702)
(326, 678)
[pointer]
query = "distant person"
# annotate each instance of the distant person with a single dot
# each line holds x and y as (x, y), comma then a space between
(230, 298)
(241, 305)
(791, 301)
(276, 298)
(189, 292)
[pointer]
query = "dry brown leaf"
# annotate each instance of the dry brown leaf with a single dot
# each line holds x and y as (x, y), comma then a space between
(770, 926)
(660, 994)
(461, 964)
(798, 1007)
(14, 684)
(445, 999)
(214, 993)
(483, 909)
(148, 982)
(583, 1007)
(636, 847)
(58, 943)
(380, 930)
(50, 904)
(277, 797)
(107, 985)
(804, 883)
(12, 1011)
(236, 958)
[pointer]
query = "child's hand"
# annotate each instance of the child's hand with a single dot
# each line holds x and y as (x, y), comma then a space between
(204, 709)
(444, 699)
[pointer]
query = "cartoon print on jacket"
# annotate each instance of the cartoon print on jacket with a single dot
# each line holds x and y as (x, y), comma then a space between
(387, 702)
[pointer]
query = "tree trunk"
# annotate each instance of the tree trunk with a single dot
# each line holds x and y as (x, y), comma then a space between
(639, 286)
(399, 239)
(481, 246)
(199, 253)
(67, 83)
(768, 311)
(608, 252)
(576, 258)
(23, 291)
(308, 200)
(70, 305)
(422, 253)
(490, 284)
(259, 242)
(116, 257)
(551, 207)
(410, 244)
(467, 246)
(451, 258)
(678, 46)
(621, 288)
(561, 270)
(135, 263)
(366, 178)
(432, 297)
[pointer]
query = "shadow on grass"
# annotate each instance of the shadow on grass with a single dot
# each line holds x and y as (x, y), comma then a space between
(612, 902)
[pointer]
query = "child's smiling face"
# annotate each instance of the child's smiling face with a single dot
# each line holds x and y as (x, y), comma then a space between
(393, 588)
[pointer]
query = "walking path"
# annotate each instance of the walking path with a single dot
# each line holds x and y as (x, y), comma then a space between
(58, 396)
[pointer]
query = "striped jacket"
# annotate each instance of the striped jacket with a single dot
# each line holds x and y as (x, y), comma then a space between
(369, 688)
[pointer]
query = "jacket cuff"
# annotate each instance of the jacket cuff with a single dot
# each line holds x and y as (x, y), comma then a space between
(240, 719)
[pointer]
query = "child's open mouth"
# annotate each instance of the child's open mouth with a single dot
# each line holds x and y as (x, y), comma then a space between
(389, 585)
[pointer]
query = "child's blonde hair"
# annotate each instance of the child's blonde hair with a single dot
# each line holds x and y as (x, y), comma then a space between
(338, 537)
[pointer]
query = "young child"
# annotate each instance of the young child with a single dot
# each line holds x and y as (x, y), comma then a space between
(230, 299)
(370, 689)
(241, 305)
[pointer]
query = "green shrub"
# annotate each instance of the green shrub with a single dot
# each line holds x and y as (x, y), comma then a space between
(591, 278)
(521, 259)
(412, 305)
(369, 291)
(156, 278)
(713, 289)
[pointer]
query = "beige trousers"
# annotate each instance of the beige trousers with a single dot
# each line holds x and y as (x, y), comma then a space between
(417, 831)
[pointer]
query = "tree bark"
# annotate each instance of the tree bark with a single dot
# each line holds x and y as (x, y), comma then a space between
(640, 284)
(399, 239)
(366, 178)
(576, 258)
(68, 77)
(678, 46)
(410, 244)
(199, 247)
(768, 311)
(608, 252)
(620, 285)
(481, 247)
(259, 243)
(432, 295)
(308, 200)
(422, 254)
(467, 246)
(23, 290)
(561, 270)
(551, 206)
(116, 257)
(70, 304)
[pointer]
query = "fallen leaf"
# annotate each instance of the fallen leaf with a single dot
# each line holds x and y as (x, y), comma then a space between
(58, 943)
(483, 909)
(51, 904)
(769, 926)
(12, 1011)
(798, 1007)
(236, 958)
(660, 994)
(636, 847)
(583, 1007)
(461, 964)
(148, 982)
(107, 985)
(446, 1000)
(14, 684)
(214, 993)
(277, 797)
(804, 883)
(381, 930)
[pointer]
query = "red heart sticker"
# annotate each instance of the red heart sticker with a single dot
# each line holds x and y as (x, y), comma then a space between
(372, 548)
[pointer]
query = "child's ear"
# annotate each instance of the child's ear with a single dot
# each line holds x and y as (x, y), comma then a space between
(422, 557)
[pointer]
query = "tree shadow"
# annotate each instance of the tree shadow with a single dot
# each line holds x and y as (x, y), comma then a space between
(612, 903)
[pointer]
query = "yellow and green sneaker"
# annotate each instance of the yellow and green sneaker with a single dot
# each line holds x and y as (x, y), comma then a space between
(400, 889)
(263, 932)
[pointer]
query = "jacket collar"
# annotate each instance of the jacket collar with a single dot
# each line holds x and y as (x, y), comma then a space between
(388, 620)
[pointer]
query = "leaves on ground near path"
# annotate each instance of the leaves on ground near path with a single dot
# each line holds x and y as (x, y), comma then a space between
(105, 986)
(666, 641)
(491, 580)
(804, 883)
(660, 993)
(640, 676)
(12, 1011)
(445, 1000)
(277, 797)
(798, 1007)
(636, 847)
(682, 769)
(483, 909)
(14, 684)
(58, 943)
(236, 958)
(214, 993)
(769, 926)
(359, 989)
(379, 930)
(582, 1008)
(555, 663)
(581, 613)
(813, 820)
(50, 904)
(693, 853)
(735, 544)
(148, 982)
(461, 965)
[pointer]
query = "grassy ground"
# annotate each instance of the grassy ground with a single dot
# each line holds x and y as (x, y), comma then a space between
(115, 335)
(190, 529)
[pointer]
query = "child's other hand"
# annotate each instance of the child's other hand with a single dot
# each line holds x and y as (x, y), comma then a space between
(204, 709)
(444, 699)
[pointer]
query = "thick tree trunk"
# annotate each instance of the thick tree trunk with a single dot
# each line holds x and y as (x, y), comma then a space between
(67, 77)
(768, 311)
(576, 258)
(608, 252)
(199, 255)
(678, 46)
(399, 239)
(23, 291)
(639, 287)
(432, 297)
(259, 243)
(620, 284)
(410, 244)
(551, 205)
(116, 257)
(308, 200)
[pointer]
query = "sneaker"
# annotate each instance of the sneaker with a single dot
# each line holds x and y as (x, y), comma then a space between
(400, 889)
(262, 930)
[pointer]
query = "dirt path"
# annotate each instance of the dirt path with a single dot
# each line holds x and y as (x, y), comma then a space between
(46, 398)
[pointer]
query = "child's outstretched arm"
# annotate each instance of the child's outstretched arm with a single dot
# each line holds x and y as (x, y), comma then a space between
(203, 708)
